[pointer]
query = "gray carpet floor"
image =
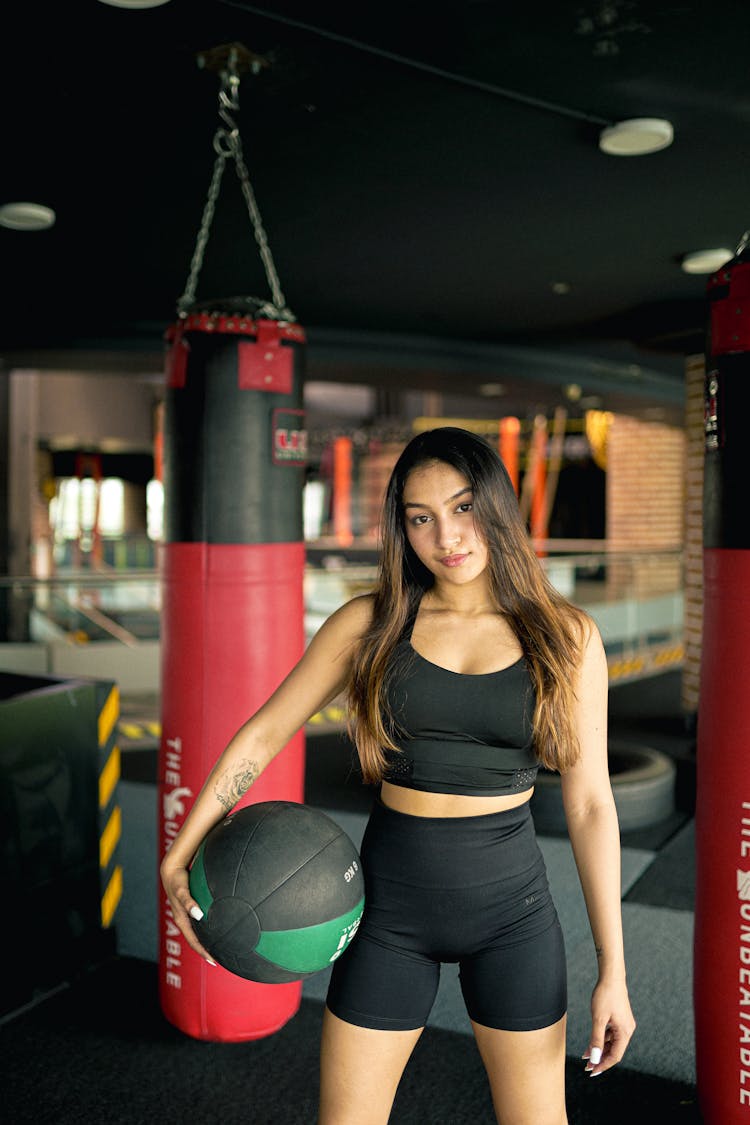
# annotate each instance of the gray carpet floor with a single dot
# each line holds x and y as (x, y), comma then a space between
(658, 935)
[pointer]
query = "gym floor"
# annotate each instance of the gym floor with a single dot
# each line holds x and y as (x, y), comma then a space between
(99, 1049)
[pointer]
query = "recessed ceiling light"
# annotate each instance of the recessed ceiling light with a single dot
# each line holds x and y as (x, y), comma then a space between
(706, 261)
(636, 137)
(26, 216)
(134, 3)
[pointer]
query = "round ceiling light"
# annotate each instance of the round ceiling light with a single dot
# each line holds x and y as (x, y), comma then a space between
(26, 216)
(706, 261)
(134, 3)
(636, 137)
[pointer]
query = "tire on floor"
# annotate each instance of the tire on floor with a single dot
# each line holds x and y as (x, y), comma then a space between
(643, 782)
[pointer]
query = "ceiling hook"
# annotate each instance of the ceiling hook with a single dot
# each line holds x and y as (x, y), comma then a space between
(742, 244)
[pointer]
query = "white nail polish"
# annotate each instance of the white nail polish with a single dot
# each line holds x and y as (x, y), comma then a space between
(596, 1056)
(196, 912)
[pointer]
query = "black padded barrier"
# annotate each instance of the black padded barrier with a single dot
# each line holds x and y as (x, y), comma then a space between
(59, 830)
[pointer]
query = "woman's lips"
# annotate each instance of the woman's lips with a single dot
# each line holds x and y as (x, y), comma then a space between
(453, 560)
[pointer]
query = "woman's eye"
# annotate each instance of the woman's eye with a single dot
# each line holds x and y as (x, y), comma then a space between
(467, 506)
(419, 520)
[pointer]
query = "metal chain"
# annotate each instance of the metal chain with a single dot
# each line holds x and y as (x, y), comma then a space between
(260, 235)
(188, 297)
(227, 143)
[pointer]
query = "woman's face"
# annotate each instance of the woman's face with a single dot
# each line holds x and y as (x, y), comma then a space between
(438, 511)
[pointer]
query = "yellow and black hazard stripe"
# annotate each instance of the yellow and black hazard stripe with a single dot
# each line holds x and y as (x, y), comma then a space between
(137, 731)
(141, 733)
(334, 715)
(646, 661)
(110, 815)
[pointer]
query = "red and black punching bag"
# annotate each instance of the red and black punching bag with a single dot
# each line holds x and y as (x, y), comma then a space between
(722, 822)
(233, 617)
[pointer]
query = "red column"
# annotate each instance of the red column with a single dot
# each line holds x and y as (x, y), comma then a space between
(508, 447)
(538, 522)
(342, 491)
(722, 897)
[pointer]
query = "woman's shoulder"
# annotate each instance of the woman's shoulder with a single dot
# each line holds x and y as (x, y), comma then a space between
(590, 634)
(583, 632)
(353, 618)
(581, 622)
(593, 656)
(340, 634)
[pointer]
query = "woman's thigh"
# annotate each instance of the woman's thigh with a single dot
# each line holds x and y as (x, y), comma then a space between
(526, 1070)
(360, 1070)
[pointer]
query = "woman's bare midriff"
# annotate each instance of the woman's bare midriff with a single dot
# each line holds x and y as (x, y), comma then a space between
(413, 802)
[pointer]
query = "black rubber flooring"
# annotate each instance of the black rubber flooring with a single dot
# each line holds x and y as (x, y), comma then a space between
(101, 1052)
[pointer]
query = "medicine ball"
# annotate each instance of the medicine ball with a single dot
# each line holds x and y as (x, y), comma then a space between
(281, 889)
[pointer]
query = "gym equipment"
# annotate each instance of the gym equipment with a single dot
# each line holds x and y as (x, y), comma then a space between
(281, 889)
(60, 861)
(232, 574)
(722, 823)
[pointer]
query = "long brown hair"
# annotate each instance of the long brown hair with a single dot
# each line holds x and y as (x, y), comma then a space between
(549, 628)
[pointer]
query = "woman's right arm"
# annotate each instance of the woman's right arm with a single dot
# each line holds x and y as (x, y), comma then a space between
(321, 674)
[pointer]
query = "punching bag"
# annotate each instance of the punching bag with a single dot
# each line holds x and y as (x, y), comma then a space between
(722, 822)
(233, 616)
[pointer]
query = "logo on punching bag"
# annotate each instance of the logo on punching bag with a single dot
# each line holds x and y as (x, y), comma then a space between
(174, 803)
(289, 442)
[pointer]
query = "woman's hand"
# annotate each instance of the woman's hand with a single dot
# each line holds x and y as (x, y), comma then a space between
(612, 1027)
(174, 877)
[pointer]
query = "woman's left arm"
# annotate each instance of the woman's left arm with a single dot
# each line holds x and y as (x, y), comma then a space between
(595, 837)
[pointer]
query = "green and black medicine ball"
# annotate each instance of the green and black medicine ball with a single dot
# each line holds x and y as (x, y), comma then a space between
(281, 889)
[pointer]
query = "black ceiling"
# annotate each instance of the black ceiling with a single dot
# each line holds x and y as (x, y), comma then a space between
(427, 176)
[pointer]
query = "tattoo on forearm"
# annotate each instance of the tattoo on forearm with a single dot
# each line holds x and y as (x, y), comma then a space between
(233, 783)
(599, 950)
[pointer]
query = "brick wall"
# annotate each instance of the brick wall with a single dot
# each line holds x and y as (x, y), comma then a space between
(645, 512)
(375, 470)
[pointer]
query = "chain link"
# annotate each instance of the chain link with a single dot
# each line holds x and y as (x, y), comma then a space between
(188, 297)
(227, 144)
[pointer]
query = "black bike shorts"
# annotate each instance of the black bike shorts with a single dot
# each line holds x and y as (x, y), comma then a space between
(471, 890)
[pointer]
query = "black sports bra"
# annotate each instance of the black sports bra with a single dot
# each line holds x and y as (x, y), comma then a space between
(457, 733)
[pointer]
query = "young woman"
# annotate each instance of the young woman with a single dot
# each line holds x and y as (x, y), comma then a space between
(465, 670)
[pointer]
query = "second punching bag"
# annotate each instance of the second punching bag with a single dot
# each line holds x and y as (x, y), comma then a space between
(722, 822)
(233, 616)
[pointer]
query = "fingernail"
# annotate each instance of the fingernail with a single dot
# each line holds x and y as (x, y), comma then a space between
(196, 912)
(596, 1056)
(210, 962)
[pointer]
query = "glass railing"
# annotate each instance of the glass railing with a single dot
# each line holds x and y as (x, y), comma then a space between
(635, 597)
(82, 606)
